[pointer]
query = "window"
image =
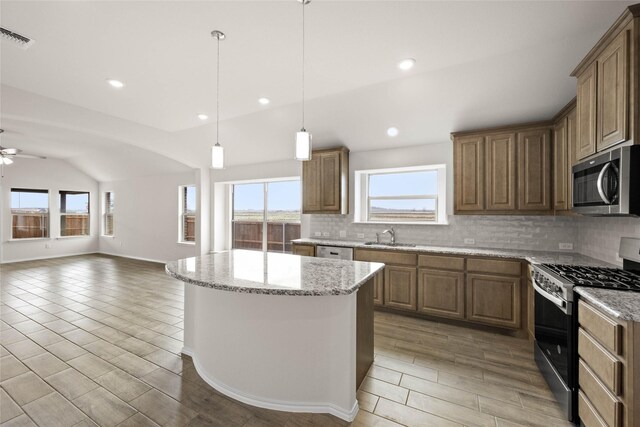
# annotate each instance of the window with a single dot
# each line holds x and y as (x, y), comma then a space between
(29, 213)
(266, 215)
(107, 216)
(187, 214)
(74, 213)
(401, 195)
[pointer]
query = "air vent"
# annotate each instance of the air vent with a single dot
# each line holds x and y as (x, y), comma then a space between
(17, 39)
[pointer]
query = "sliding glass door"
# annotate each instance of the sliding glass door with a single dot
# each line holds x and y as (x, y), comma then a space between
(266, 215)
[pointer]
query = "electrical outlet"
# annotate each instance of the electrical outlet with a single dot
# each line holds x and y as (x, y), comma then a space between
(566, 246)
(326, 234)
(47, 245)
(469, 241)
(343, 233)
(360, 235)
(317, 234)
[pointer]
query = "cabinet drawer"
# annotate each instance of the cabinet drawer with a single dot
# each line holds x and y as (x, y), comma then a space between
(606, 367)
(441, 262)
(605, 330)
(304, 250)
(494, 266)
(386, 257)
(588, 414)
(605, 403)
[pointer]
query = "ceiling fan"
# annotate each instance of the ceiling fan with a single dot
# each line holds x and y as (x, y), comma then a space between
(8, 154)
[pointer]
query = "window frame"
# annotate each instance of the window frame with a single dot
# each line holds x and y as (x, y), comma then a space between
(64, 214)
(363, 201)
(48, 221)
(182, 213)
(106, 211)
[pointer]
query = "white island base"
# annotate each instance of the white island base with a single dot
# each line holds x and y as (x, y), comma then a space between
(282, 352)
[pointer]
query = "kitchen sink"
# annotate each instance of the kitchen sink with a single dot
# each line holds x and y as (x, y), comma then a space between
(393, 245)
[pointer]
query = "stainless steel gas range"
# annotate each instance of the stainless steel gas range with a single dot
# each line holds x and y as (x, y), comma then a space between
(556, 316)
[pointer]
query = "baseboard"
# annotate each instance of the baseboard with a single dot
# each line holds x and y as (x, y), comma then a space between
(47, 257)
(316, 408)
(133, 257)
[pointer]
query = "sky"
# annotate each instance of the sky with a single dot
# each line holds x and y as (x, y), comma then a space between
(20, 200)
(282, 196)
(408, 183)
(191, 198)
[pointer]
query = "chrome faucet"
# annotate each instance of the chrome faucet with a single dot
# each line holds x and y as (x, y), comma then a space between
(391, 233)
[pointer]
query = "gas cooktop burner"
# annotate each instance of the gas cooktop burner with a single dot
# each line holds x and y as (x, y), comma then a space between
(597, 277)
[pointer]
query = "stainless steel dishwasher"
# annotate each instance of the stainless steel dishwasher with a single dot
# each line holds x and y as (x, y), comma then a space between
(334, 252)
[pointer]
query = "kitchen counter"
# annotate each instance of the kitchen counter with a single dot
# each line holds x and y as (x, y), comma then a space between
(623, 305)
(273, 273)
(280, 331)
(534, 257)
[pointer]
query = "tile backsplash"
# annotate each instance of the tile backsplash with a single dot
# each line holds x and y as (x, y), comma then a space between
(595, 237)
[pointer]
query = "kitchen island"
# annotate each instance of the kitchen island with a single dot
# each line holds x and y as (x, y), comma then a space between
(280, 331)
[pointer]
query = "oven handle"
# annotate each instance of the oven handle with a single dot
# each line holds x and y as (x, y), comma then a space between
(600, 185)
(562, 305)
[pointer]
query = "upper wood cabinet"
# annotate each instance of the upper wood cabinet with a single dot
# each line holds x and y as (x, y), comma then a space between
(469, 160)
(503, 171)
(534, 170)
(607, 88)
(564, 156)
(325, 182)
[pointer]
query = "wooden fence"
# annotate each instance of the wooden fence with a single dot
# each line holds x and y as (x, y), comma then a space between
(248, 235)
(189, 228)
(74, 225)
(30, 226)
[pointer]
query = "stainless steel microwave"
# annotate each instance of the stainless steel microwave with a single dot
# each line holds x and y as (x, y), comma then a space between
(608, 184)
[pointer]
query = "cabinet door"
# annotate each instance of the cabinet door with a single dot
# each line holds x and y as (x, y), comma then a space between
(468, 153)
(560, 165)
(378, 288)
(493, 300)
(311, 182)
(400, 287)
(304, 250)
(534, 170)
(613, 89)
(586, 112)
(572, 140)
(501, 171)
(441, 293)
(330, 181)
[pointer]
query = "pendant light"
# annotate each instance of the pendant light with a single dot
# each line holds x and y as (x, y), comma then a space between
(217, 151)
(303, 138)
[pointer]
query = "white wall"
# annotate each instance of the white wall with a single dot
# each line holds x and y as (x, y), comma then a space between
(146, 218)
(53, 175)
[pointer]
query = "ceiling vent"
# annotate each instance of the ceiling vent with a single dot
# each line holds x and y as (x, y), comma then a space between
(17, 39)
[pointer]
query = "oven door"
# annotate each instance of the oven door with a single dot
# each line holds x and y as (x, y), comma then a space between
(555, 348)
(596, 185)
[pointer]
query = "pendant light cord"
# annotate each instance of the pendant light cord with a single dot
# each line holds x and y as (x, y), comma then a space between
(218, 92)
(303, 2)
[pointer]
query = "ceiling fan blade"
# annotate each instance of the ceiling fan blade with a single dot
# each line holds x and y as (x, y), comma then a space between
(5, 160)
(10, 151)
(29, 156)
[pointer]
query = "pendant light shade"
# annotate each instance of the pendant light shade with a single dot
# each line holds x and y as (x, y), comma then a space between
(217, 151)
(217, 157)
(303, 138)
(303, 145)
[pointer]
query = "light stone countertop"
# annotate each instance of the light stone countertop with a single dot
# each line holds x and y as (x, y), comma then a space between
(534, 257)
(273, 273)
(623, 305)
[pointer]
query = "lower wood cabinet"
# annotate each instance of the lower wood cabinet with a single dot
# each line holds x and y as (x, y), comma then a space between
(441, 293)
(493, 300)
(400, 287)
(378, 288)
(304, 250)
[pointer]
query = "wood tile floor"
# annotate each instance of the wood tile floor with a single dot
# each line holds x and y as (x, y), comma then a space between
(96, 340)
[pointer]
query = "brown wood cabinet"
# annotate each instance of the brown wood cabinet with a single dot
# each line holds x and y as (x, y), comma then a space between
(325, 182)
(503, 171)
(469, 161)
(441, 293)
(304, 250)
(400, 287)
(609, 353)
(378, 288)
(608, 88)
(493, 300)
(563, 153)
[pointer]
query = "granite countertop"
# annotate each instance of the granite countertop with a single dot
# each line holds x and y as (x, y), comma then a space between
(273, 273)
(534, 257)
(623, 305)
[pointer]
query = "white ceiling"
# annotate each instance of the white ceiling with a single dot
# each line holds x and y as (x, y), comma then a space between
(478, 64)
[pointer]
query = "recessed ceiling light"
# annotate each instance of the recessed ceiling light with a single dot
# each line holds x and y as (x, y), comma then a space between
(393, 131)
(263, 101)
(115, 83)
(406, 64)
(203, 117)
